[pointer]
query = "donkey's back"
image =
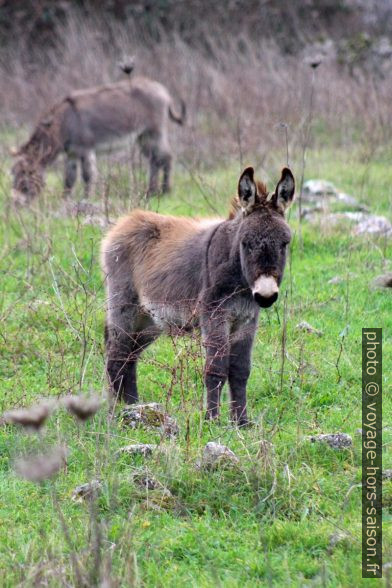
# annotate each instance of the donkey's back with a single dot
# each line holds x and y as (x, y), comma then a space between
(101, 114)
(159, 257)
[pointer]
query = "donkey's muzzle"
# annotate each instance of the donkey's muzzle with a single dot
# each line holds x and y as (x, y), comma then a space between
(265, 291)
(265, 302)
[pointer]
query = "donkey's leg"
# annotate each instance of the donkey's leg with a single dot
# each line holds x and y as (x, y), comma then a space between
(159, 159)
(154, 173)
(141, 342)
(163, 160)
(147, 142)
(239, 370)
(89, 172)
(216, 341)
(123, 351)
(118, 352)
(128, 329)
(166, 165)
(70, 174)
(121, 319)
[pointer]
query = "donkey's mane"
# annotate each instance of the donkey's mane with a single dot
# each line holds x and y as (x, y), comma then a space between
(235, 205)
(44, 144)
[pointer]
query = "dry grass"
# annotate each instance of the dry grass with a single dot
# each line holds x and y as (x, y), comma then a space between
(243, 90)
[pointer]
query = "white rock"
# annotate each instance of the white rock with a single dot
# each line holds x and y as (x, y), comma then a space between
(383, 281)
(351, 201)
(86, 491)
(335, 538)
(334, 440)
(314, 190)
(322, 195)
(144, 449)
(374, 225)
(216, 455)
(304, 326)
(146, 480)
(335, 280)
(150, 416)
(365, 223)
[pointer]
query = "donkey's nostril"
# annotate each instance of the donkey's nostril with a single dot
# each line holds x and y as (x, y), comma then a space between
(265, 302)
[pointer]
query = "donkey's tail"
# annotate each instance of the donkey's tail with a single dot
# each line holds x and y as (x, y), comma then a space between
(178, 118)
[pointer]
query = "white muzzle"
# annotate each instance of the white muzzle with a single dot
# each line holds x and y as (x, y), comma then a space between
(266, 287)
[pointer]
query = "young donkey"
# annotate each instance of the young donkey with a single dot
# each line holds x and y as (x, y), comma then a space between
(87, 118)
(165, 273)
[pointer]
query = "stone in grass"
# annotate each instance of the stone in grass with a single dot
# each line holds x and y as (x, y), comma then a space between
(150, 416)
(144, 449)
(335, 539)
(304, 326)
(335, 280)
(362, 223)
(316, 190)
(334, 440)
(384, 281)
(146, 480)
(387, 475)
(217, 456)
(351, 201)
(87, 491)
(375, 225)
(159, 499)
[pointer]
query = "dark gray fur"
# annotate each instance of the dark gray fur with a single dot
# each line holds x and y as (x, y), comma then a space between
(205, 279)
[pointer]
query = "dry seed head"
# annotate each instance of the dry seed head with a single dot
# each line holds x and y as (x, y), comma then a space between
(266, 454)
(39, 467)
(33, 417)
(127, 64)
(81, 407)
(314, 61)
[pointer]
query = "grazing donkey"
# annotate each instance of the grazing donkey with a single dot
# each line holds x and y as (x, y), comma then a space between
(87, 118)
(171, 274)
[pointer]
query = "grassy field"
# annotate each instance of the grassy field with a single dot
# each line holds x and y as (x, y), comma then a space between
(271, 521)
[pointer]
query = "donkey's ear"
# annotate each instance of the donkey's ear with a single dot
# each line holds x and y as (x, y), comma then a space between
(284, 192)
(247, 190)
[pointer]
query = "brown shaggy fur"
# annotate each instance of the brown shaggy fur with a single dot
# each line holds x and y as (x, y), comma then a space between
(235, 205)
(169, 274)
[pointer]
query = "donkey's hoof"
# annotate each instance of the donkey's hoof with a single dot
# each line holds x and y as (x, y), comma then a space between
(211, 417)
(243, 423)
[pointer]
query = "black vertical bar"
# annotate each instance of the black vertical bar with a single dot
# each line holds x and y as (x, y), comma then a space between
(372, 453)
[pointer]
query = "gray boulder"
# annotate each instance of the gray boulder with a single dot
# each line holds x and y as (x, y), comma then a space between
(334, 440)
(216, 455)
(151, 416)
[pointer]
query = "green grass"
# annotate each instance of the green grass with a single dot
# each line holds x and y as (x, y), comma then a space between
(267, 522)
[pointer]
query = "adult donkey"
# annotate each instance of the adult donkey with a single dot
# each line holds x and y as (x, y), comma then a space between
(165, 273)
(87, 118)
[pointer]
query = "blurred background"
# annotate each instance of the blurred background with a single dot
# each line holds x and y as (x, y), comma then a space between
(244, 68)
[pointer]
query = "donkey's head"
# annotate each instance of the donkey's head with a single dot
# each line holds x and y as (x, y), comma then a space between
(27, 178)
(32, 158)
(263, 234)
